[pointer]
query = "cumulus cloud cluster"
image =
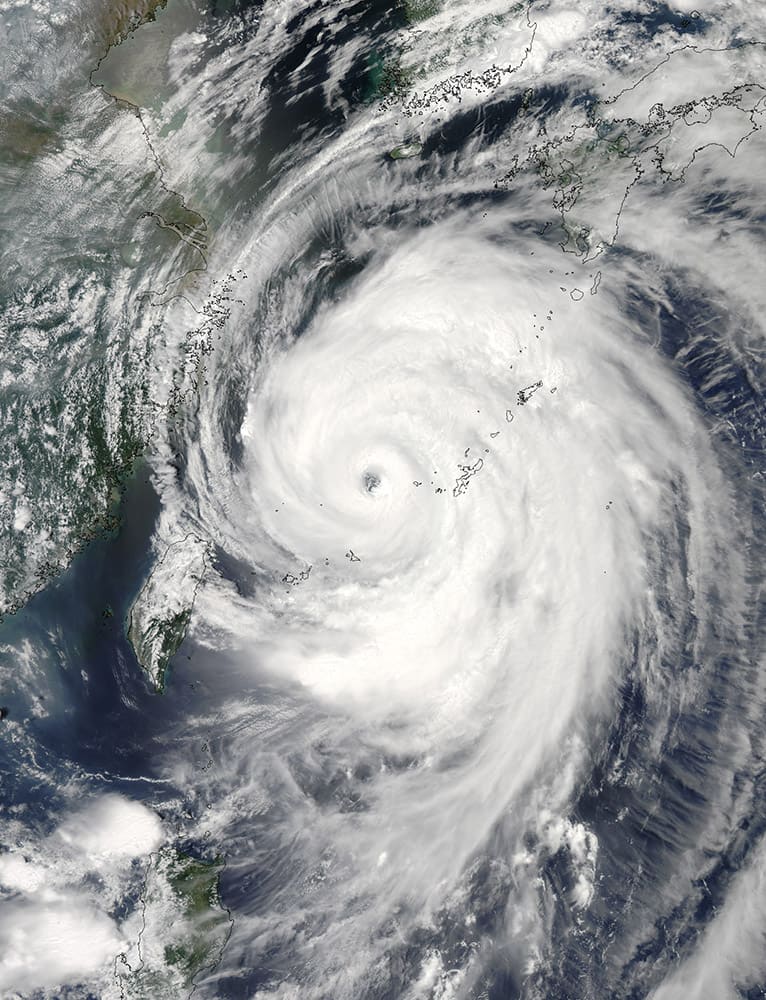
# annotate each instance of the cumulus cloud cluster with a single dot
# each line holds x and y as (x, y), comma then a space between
(57, 923)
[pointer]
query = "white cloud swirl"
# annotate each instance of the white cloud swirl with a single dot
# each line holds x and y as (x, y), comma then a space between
(461, 490)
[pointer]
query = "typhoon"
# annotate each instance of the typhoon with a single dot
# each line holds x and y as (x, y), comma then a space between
(384, 501)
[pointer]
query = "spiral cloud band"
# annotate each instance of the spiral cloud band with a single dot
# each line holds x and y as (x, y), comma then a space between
(416, 351)
(474, 500)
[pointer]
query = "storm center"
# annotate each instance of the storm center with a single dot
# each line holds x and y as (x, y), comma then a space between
(372, 482)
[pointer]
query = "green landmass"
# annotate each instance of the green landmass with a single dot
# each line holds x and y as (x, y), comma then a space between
(195, 882)
(185, 928)
(406, 150)
(420, 10)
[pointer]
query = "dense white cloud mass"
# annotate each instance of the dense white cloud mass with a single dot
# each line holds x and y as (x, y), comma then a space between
(48, 943)
(466, 487)
(470, 491)
(56, 922)
(111, 829)
(457, 444)
(469, 475)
